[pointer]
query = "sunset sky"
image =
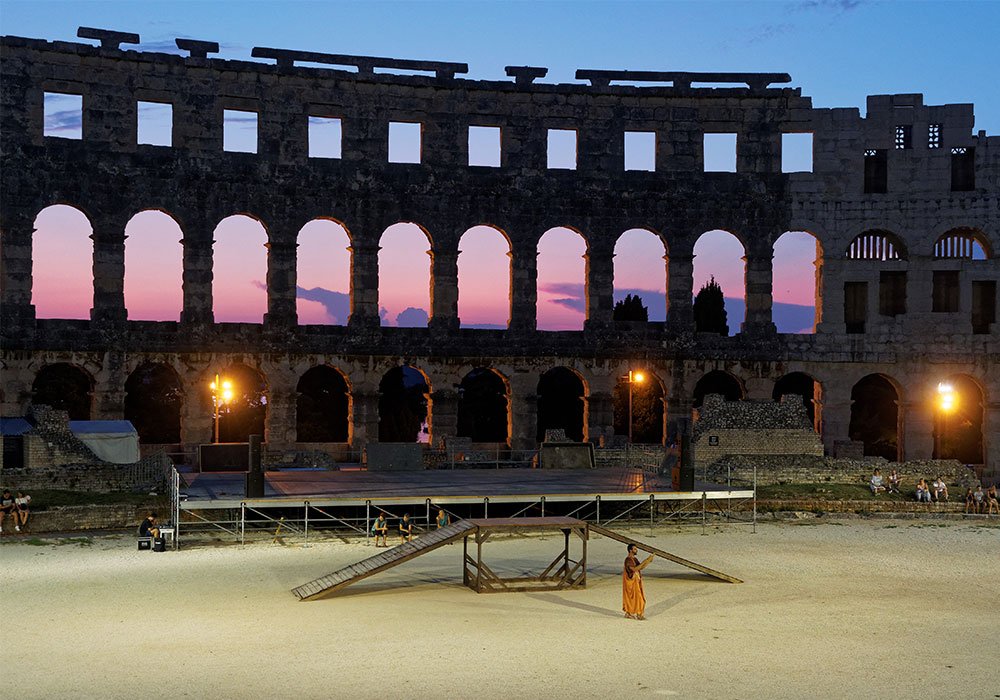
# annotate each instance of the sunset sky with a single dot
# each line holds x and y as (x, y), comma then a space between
(818, 41)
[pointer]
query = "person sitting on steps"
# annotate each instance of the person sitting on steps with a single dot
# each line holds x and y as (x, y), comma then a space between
(406, 528)
(380, 529)
(875, 483)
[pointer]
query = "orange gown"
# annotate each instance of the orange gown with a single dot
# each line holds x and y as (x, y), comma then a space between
(633, 597)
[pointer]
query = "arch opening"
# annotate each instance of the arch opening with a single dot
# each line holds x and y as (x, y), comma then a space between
(797, 283)
(803, 385)
(154, 267)
(402, 406)
(875, 417)
(561, 403)
(962, 243)
(720, 283)
(62, 263)
(640, 272)
(718, 382)
(322, 406)
(246, 413)
(64, 387)
(876, 245)
(323, 273)
(239, 270)
(483, 407)
(153, 401)
(404, 276)
(484, 271)
(562, 280)
(958, 427)
(648, 407)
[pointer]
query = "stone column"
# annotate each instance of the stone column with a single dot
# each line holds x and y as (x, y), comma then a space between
(600, 287)
(758, 293)
(680, 309)
(523, 289)
(109, 272)
(523, 412)
(197, 278)
(991, 440)
(281, 283)
(444, 289)
(364, 286)
(600, 413)
(280, 421)
(442, 415)
(197, 425)
(364, 418)
(836, 417)
(915, 437)
(108, 401)
(15, 272)
(759, 389)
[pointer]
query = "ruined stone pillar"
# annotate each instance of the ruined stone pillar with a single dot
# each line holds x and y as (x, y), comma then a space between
(836, 425)
(364, 418)
(915, 439)
(197, 278)
(444, 289)
(523, 289)
(758, 293)
(281, 284)
(442, 416)
(15, 272)
(600, 286)
(991, 440)
(109, 272)
(759, 389)
(197, 424)
(364, 286)
(280, 420)
(523, 412)
(600, 414)
(108, 401)
(680, 276)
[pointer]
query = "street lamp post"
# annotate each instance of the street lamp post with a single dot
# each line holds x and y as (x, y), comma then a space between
(947, 401)
(222, 392)
(633, 378)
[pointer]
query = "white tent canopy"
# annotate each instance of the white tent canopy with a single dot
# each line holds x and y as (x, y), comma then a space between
(113, 441)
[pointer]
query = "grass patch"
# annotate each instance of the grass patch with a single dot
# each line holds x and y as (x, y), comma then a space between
(35, 542)
(826, 492)
(51, 498)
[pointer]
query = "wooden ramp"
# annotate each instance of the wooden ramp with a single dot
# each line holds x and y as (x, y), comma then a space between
(664, 555)
(386, 560)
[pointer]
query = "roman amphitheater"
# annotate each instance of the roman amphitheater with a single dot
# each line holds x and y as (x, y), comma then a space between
(903, 203)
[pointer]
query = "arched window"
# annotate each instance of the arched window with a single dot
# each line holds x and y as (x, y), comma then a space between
(560, 403)
(64, 387)
(154, 267)
(62, 263)
(239, 270)
(801, 384)
(719, 257)
(402, 406)
(322, 406)
(875, 417)
(640, 271)
(647, 407)
(323, 274)
(797, 282)
(483, 407)
(404, 276)
(246, 413)
(966, 243)
(562, 280)
(876, 245)
(484, 278)
(153, 400)
(718, 382)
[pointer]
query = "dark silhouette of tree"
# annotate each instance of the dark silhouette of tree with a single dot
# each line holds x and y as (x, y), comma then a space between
(402, 405)
(321, 407)
(153, 398)
(65, 388)
(647, 410)
(710, 309)
(482, 407)
(630, 308)
(245, 414)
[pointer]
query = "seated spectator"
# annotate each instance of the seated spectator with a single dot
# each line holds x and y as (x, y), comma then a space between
(939, 489)
(970, 501)
(380, 529)
(923, 491)
(7, 507)
(875, 483)
(894, 482)
(148, 528)
(980, 498)
(442, 519)
(992, 504)
(406, 528)
(22, 509)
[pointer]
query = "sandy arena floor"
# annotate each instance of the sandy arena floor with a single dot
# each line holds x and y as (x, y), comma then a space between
(841, 609)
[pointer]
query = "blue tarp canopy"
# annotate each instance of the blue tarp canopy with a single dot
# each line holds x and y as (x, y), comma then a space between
(112, 440)
(12, 427)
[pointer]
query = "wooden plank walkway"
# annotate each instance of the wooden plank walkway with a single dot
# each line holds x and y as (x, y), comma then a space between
(395, 556)
(664, 555)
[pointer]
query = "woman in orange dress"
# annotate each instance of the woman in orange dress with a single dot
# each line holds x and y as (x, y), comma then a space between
(633, 597)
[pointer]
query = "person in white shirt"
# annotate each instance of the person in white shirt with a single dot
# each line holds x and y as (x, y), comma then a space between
(875, 483)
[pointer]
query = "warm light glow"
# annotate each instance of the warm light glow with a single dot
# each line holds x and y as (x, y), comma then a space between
(638, 377)
(947, 397)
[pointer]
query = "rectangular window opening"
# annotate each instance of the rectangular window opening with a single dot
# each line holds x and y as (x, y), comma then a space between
(945, 297)
(876, 171)
(326, 136)
(640, 150)
(154, 123)
(720, 153)
(562, 149)
(904, 137)
(984, 306)
(855, 306)
(797, 153)
(892, 293)
(404, 142)
(963, 169)
(63, 115)
(484, 146)
(239, 131)
(933, 136)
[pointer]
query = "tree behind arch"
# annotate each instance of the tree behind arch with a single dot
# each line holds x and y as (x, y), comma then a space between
(710, 309)
(631, 308)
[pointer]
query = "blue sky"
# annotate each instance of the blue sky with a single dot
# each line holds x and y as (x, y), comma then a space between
(838, 51)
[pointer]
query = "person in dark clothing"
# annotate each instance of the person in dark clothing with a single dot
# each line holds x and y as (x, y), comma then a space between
(148, 528)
